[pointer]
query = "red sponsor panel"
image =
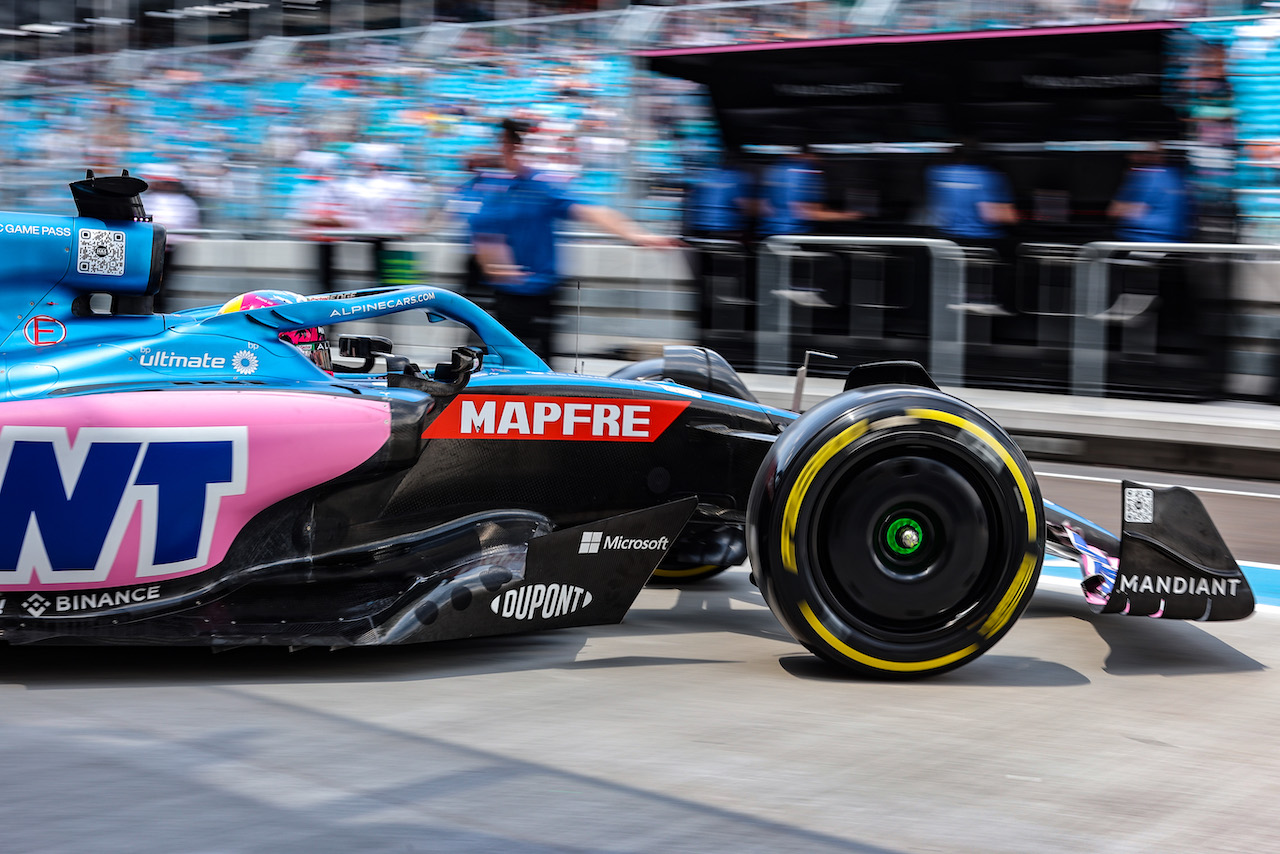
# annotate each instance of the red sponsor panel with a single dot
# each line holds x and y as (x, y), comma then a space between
(575, 419)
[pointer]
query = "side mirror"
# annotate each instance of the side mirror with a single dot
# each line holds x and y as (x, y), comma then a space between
(363, 346)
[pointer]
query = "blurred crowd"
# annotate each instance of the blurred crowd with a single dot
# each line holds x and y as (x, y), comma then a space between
(255, 136)
(250, 151)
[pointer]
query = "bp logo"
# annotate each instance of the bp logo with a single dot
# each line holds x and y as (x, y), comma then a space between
(244, 362)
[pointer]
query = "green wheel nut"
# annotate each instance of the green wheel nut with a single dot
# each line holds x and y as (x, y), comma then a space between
(905, 536)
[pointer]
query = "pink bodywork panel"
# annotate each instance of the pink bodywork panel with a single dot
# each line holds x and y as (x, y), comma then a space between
(284, 443)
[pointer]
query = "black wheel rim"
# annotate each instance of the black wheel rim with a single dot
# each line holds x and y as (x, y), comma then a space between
(909, 539)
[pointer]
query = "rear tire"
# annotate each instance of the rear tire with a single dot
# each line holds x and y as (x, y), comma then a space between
(896, 531)
(704, 549)
(663, 577)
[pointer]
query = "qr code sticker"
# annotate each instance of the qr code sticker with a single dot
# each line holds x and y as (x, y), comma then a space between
(101, 252)
(1139, 505)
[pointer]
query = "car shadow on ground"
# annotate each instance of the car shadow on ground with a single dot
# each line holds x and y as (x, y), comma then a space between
(1136, 646)
(1140, 646)
(724, 604)
(1167, 648)
(989, 671)
(727, 603)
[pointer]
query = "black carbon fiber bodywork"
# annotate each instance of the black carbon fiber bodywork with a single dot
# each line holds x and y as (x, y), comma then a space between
(711, 451)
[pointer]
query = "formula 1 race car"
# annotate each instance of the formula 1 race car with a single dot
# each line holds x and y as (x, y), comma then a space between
(214, 476)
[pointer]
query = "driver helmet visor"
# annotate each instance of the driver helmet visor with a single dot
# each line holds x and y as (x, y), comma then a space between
(313, 344)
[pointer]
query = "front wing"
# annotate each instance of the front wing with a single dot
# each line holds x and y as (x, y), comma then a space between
(1169, 562)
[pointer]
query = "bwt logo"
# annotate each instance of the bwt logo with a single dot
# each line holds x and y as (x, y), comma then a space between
(65, 506)
(593, 541)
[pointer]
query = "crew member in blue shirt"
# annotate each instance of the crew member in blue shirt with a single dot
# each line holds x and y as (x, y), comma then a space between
(970, 203)
(793, 202)
(1151, 204)
(515, 243)
(464, 205)
(720, 203)
(794, 191)
(717, 219)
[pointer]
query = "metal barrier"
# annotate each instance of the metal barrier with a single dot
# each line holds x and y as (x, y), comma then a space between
(1093, 311)
(946, 278)
(720, 266)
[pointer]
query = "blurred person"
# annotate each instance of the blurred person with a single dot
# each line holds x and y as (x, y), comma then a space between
(171, 204)
(969, 202)
(1152, 204)
(463, 205)
(720, 202)
(720, 205)
(1212, 100)
(598, 147)
(318, 157)
(515, 244)
(792, 201)
(109, 134)
(283, 139)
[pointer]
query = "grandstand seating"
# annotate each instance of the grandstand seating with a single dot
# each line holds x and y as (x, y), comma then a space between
(211, 107)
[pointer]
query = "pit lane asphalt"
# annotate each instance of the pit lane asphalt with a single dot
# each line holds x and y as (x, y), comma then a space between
(696, 725)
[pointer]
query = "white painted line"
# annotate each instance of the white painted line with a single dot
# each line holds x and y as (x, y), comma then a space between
(1068, 563)
(1205, 489)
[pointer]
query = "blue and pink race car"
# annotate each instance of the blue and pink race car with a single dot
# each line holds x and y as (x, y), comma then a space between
(218, 476)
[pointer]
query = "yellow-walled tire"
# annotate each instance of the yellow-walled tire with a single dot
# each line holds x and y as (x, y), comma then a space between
(896, 531)
(678, 576)
(704, 549)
